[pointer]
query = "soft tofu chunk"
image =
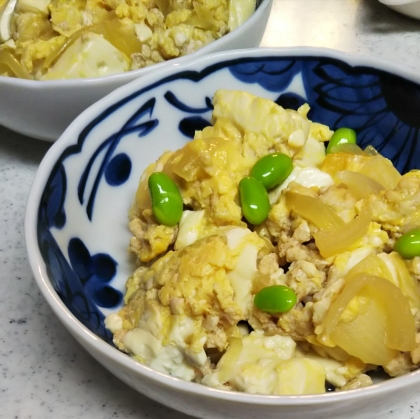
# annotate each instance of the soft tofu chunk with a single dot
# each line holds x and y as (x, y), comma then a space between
(89, 56)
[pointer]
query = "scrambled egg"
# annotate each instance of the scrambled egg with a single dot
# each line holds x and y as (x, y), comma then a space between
(60, 39)
(189, 306)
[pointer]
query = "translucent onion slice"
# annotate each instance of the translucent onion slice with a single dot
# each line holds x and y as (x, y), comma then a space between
(347, 148)
(364, 337)
(387, 323)
(199, 22)
(313, 210)
(398, 274)
(337, 162)
(229, 360)
(143, 200)
(372, 265)
(407, 284)
(359, 185)
(370, 150)
(381, 170)
(339, 239)
(119, 34)
(185, 163)
(206, 16)
(11, 63)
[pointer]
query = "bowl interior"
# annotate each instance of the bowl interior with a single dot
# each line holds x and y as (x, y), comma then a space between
(88, 181)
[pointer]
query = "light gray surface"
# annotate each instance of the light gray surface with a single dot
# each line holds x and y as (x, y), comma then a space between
(44, 373)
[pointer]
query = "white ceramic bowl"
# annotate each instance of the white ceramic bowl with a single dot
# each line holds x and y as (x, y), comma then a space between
(76, 217)
(43, 109)
(406, 7)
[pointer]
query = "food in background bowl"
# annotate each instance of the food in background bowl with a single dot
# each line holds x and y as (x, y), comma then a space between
(267, 260)
(63, 99)
(76, 230)
(56, 39)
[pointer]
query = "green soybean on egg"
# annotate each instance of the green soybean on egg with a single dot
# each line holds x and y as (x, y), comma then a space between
(167, 204)
(254, 200)
(275, 299)
(272, 169)
(408, 245)
(341, 136)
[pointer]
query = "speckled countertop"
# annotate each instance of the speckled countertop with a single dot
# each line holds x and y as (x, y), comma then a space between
(44, 373)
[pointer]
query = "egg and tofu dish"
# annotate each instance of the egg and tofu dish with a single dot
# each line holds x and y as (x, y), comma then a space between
(62, 39)
(318, 293)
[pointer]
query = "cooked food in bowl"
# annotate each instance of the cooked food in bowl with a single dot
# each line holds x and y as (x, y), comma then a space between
(77, 231)
(64, 39)
(271, 263)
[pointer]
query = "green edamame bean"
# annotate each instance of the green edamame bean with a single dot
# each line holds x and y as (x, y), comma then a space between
(408, 245)
(341, 136)
(275, 299)
(272, 169)
(254, 200)
(167, 202)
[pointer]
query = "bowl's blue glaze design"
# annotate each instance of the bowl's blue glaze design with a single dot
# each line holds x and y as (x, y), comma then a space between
(94, 272)
(116, 168)
(382, 108)
(70, 287)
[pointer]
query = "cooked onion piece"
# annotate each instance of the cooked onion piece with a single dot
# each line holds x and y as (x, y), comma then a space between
(313, 210)
(402, 278)
(372, 333)
(359, 185)
(382, 171)
(337, 162)
(371, 265)
(9, 63)
(339, 239)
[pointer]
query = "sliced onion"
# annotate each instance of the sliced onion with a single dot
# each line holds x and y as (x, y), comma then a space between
(198, 22)
(313, 210)
(143, 200)
(337, 162)
(206, 16)
(359, 185)
(370, 150)
(386, 323)
(339, 239)
(364, 337)
(407, 284)
(372, 265)
(10, 62)
(121, 35)
(382, 171)
(347, 148)
(393, 268)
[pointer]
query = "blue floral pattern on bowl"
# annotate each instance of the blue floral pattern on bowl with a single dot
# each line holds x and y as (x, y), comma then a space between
(82, 217)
